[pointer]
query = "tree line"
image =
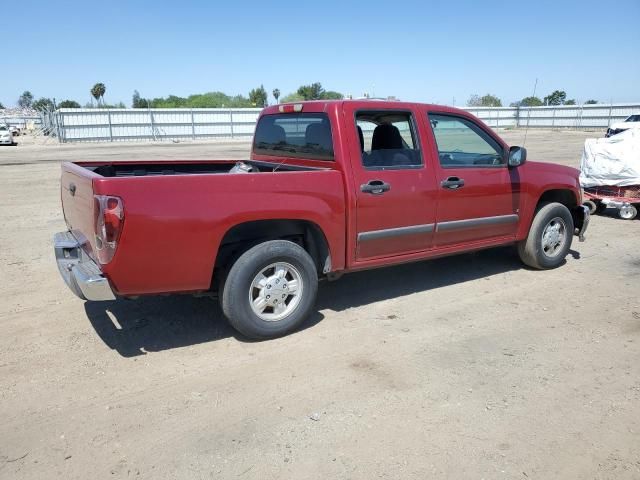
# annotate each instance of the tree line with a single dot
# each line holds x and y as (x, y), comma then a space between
(557, 97)
(257, 97)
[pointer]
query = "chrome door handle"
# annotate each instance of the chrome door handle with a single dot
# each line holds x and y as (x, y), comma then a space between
(452, 183)
(375, 187)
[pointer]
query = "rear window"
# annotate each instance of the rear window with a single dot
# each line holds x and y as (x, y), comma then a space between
(301, 135)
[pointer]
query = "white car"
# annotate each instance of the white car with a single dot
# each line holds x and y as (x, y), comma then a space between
(632, 121)
(6, 137)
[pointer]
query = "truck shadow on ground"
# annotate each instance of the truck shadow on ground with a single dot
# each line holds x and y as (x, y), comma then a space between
(156, 323)
(152, 324)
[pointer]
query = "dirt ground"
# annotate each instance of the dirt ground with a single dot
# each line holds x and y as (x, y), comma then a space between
(463, 367)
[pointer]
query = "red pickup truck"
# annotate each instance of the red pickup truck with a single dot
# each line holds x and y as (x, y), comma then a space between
(330, 187)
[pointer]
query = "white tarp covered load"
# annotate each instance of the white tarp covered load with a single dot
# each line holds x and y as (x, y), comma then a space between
(611, 161)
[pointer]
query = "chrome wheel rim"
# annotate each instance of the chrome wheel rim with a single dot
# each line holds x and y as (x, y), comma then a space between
(275, 291)
(627, 212)
(554, 237)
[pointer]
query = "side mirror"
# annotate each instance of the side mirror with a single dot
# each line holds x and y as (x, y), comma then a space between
(517, 156)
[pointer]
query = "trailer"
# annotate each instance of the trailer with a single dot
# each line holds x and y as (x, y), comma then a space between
(610, 173)
(625, 199)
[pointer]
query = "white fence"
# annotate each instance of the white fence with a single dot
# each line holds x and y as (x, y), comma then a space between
(86, 125)
(565, 116)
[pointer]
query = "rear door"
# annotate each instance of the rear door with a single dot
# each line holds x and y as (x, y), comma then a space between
(478, 195)
(395, 192)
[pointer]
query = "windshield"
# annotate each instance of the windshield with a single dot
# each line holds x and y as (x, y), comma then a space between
(301, 135)
(633, 118)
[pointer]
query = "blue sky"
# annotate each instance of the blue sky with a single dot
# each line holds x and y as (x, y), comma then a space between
(418, 51)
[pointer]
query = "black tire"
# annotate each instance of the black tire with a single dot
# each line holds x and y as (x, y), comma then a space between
(593, 207)
(235, 291)
(532, 251)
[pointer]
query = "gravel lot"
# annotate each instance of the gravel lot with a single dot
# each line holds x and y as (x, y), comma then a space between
(464, 367)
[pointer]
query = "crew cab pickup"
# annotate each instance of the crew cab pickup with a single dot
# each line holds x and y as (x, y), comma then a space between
(330, 187)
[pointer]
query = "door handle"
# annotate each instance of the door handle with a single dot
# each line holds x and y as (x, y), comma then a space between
(375, 187)
(72, 189)
(452, 183)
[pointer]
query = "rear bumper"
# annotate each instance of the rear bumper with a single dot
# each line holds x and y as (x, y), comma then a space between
(81, 274)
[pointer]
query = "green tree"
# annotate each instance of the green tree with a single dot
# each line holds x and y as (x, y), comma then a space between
(199, 100)
(138, 101)
(531, 102)
(557, 97)
(26, 99)
(331, 95)
(293, 97)
(591, 102)
(1, 105)
(258, 97)
(570, 102)
(276, 94)
(98, 91)
(311, 92)
(69, 104)
(487, 100)
(43, 104)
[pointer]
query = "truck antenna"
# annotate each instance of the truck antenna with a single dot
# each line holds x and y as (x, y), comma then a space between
(526, 129)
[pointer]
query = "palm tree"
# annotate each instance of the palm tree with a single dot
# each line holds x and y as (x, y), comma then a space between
(276, 94)
(98, 91)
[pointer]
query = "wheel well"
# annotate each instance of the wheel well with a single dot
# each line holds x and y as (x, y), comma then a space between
(242, 237)
(565, 197)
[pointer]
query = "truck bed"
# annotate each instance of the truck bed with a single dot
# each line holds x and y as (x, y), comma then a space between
(187, 167)
(177, 213)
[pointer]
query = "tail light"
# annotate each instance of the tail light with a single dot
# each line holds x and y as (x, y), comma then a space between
(109, 219)
(290, 108)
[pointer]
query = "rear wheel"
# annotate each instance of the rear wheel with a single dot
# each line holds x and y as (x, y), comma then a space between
(270, 289)
(549, 238)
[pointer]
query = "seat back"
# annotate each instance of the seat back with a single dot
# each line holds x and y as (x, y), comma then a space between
(319, 134)
(386, 137)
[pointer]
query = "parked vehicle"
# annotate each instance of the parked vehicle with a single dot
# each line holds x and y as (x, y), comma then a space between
(331, 187)
(632, 121)
(6, 137)
(625, 199)
(610, 173)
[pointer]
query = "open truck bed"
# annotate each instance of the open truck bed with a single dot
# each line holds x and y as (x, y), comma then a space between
(176, 214)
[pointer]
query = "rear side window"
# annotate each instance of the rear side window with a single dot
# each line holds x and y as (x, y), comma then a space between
(388, 139)
(301, 135)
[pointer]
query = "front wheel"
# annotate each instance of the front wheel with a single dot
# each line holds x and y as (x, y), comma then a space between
(270, 289)
(549, 238)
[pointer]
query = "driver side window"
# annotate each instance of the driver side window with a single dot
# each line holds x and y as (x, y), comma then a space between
(461, 143)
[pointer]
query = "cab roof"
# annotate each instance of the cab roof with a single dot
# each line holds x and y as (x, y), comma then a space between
(324, 105)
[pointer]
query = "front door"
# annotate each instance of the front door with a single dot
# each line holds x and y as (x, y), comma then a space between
(478, 195)
(395, 192)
